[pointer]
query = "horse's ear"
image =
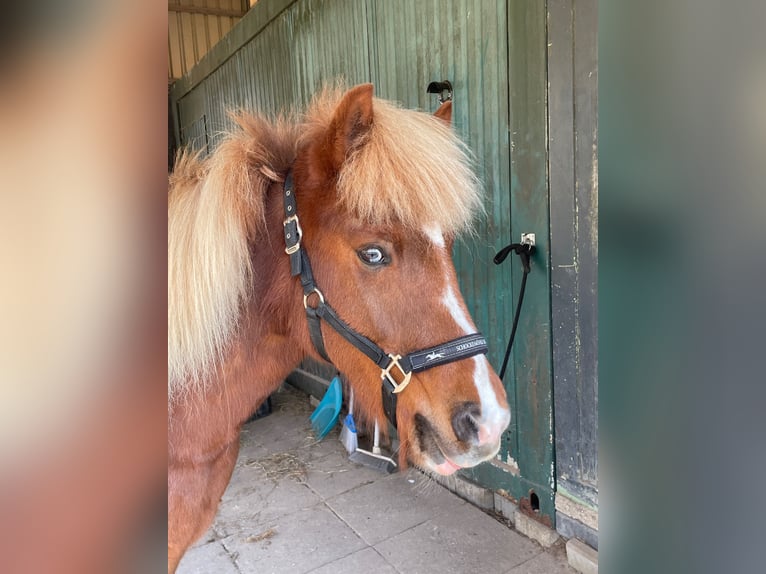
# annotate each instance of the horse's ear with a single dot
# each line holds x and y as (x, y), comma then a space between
(444, 113)
(351, 123)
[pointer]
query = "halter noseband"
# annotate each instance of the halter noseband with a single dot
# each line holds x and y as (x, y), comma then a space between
(392, 366)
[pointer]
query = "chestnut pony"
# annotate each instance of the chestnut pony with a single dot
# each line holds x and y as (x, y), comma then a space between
(380, 192)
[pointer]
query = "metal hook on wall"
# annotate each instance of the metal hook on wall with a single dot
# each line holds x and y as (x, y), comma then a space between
(440, 88)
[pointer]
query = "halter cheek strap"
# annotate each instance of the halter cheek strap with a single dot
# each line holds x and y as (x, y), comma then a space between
(396, 370)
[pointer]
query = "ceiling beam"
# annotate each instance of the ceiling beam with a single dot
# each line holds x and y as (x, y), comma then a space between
(176, 7)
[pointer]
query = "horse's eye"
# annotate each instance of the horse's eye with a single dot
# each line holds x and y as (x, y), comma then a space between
(373, 255)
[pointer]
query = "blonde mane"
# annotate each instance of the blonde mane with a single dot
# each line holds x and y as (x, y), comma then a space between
(412, 170)
(215, 208)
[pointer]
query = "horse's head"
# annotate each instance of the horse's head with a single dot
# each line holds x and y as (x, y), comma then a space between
(382, 192)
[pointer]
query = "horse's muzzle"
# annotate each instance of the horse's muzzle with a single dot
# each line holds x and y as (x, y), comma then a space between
(476, 440)
(476, 432)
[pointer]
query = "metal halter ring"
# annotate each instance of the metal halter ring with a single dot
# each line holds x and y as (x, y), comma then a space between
(386, 374)
(306, 297)
(299, 232)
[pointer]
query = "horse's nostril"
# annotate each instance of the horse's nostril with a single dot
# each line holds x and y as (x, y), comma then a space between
(465, 422)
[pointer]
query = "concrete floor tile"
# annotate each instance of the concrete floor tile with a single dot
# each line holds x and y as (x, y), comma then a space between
(581, 557)
(286, 428)
(544, 563)
(330, 444)
(391, 505)
(538, 532)
(261, 502)
(366, 560)
(335, 474)
(206, 559)
(294, 544)
(273, 434)
(463, 540)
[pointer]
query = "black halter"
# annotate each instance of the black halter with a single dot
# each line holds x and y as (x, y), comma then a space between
(449, 352)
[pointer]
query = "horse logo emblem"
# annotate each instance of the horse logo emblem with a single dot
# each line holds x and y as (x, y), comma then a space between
(434, 356)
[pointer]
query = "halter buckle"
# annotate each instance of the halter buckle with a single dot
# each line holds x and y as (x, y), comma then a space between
(299, 231)
(386, 374)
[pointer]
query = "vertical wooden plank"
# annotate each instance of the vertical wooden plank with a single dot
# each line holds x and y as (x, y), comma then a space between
(187, 58)
(528, 444)
(219, 23)
(330, 40)
(174, 47)
(573, 207)
(586, 166)
(563, 236)
(529, 213)
(191, 119)
(573, 92)
(196, 20)
(214, 30)
(208, 42)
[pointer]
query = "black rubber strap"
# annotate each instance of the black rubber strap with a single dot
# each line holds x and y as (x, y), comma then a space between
(524, 252)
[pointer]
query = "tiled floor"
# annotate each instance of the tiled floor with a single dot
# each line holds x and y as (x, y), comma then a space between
(296, 505)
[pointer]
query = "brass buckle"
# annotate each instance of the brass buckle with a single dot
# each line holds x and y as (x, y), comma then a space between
(307, 295)
(299, 231)
(386, 374)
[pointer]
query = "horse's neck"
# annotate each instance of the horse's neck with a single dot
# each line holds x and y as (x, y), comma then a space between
(270, 341)
(275, 314)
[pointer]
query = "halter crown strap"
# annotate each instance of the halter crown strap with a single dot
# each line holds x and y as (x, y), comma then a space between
(393, 382)
(291, 225)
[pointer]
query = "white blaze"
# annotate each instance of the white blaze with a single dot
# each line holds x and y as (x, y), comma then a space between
(494, 416)
(435, 235)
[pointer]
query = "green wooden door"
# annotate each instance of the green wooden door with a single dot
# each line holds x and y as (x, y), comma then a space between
(494, 53)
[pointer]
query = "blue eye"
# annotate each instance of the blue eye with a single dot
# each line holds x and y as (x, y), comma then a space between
(373, 255)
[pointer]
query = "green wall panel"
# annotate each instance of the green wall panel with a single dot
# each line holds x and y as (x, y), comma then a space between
(266, 67)
(331, 40)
